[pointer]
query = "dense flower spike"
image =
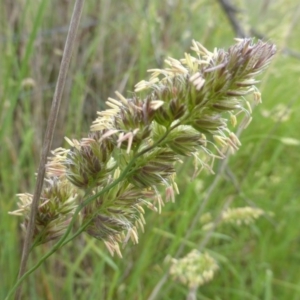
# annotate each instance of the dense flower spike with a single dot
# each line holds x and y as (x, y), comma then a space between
(184, 110)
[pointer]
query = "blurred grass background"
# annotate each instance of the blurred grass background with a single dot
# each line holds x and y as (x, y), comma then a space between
(117, 42)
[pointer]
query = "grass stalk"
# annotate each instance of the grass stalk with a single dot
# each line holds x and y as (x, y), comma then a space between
(69, 46)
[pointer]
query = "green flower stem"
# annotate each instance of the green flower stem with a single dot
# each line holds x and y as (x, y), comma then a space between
(62, 241)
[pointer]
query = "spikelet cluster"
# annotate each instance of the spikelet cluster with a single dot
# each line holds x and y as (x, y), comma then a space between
(194, 270)
(184, 110)
(237, 216)
(58, 202)
(242, 215)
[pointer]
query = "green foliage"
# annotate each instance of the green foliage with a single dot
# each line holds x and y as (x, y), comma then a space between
(117, 44)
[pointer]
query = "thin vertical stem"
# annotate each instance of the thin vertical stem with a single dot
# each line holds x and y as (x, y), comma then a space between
(231, 11)
(49, 134)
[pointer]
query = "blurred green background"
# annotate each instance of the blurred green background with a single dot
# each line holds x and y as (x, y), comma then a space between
(117, 42)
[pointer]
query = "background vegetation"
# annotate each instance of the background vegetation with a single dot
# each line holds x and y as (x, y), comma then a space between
(118, 41)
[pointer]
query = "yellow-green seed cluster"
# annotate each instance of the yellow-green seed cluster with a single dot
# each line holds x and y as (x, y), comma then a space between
(194, 270)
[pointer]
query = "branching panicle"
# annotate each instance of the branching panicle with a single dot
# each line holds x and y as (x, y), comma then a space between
(184, 110)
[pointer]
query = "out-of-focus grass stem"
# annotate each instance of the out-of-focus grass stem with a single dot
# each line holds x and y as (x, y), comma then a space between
(49, 134)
